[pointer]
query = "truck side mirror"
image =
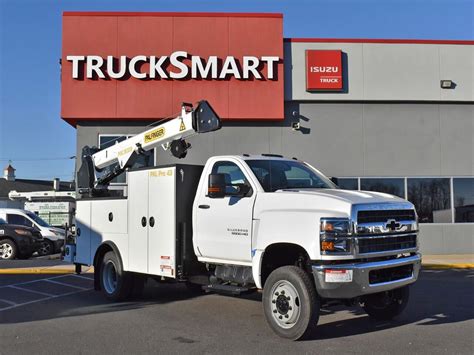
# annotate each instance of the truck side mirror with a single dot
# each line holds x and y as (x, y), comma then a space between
(216, 187)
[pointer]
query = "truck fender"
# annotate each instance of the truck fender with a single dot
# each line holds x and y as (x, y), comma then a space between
(101, 250)
(256, 267)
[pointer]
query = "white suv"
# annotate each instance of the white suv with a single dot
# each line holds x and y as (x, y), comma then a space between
(53, 237)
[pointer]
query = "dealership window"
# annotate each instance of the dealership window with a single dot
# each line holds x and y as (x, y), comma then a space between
(106, 141)
(392, 186)
(348, 183)
(432, 199)
(463, 198)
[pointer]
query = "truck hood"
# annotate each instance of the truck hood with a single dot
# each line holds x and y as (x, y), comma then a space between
(348, 196)
(325, 202)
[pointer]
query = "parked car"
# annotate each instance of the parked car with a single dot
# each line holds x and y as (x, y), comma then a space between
(53, 237)
(18, 241)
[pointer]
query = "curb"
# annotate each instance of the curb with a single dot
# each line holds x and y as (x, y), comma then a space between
(41, 271)
(447, 266)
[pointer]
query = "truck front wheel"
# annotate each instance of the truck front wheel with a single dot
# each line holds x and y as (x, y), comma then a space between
(114, 282)
(386, 305)
(290, 303)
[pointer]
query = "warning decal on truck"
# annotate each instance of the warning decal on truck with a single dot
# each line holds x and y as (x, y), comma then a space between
(154, 135)
(166, 265)
(338, 276)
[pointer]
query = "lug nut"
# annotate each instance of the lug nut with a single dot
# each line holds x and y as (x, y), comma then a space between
(280, 317)
(283, 292)
(288, 298)
(273, 301)
(274, 311)
(287, 316)
(290, 308)
(276, 293)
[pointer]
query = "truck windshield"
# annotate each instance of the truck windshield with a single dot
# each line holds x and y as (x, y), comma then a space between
(287, 174)
(37, 219)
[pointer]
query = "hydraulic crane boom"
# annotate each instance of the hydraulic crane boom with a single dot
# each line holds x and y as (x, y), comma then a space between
(95, 172)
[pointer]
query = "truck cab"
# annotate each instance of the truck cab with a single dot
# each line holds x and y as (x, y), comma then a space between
(351, 244)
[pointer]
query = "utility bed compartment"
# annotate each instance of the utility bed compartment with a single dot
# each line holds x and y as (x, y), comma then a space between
(152, 227)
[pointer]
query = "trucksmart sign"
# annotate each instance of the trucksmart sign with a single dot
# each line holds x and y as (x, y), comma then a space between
(134, 66)
(324, 70)
(152, 67)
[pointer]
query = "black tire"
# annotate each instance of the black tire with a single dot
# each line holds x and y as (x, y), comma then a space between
(387, 305)
(47, 248)
(114, 282)
(302, 310)
(8, 249)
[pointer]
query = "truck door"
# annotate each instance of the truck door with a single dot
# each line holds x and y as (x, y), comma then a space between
(224, 225)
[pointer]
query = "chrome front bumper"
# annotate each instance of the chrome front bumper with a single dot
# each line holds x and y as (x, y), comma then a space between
(360, 284)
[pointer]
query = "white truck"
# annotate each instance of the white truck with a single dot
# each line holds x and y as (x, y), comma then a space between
(246, 223)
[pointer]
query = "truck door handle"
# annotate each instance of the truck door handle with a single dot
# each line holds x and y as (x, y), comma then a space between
(152, 222)
(143, 221)
(204, 206)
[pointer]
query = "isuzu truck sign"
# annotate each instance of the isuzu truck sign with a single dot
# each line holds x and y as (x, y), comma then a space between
(178, 65)
(324, 70)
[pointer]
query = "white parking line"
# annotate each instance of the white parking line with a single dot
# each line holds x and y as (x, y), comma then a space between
(81, 277)
(63, 284)
(32, 291)
(7, 302)
(48, 296)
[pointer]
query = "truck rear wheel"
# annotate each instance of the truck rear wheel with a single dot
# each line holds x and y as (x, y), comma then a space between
(114, 282)
(290, 303)
(386, 305)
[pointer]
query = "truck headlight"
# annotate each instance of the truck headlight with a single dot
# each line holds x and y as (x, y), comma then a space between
(335, 236)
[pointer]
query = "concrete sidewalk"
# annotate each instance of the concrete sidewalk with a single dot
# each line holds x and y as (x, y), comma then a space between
(459, 261)
(44, 269)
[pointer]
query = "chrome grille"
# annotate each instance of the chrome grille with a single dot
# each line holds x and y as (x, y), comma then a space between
(385, 215)
(386, 243)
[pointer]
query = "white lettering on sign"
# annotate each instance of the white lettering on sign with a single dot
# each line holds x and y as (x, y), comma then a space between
(324, 69)
(156, 67)
(329, 80)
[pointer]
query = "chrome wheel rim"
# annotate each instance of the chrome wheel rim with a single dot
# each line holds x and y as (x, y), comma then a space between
(6, 251)
(109, 275)
(285, 304)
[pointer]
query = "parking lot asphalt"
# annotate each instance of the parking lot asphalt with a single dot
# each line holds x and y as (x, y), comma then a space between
(61, 313)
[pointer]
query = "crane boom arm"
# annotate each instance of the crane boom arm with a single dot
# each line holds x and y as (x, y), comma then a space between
(95, 173)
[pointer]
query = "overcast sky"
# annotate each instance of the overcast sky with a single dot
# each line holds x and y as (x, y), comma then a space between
(39, 142)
